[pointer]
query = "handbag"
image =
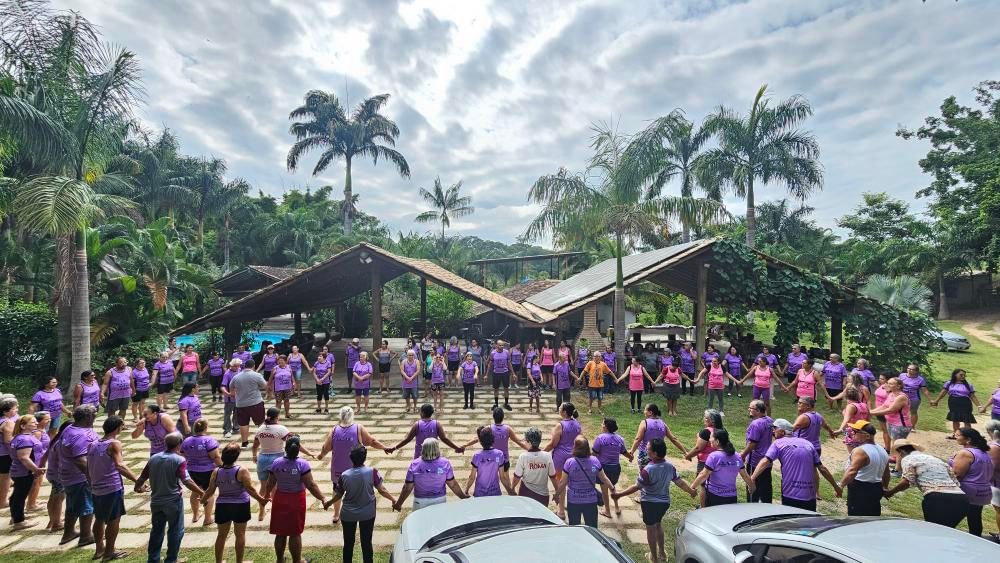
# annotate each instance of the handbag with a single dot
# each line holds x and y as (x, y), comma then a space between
(600, 495)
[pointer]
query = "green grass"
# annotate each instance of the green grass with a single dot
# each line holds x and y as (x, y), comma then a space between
(200, 555)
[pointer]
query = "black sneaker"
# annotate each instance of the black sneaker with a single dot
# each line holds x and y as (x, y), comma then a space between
(244, 445)
(507, 407)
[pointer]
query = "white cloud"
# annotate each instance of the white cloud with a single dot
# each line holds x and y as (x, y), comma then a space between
(497, 94)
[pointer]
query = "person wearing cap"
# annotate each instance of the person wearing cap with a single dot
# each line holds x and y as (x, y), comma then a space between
(353, 353)
(867, 472)
(800, 466)
(944, 501)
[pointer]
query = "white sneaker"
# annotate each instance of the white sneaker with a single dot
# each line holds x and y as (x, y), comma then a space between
(227, 435)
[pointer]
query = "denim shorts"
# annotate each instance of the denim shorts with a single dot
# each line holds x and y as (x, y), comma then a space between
(264, 462)
(596, 393)
(79, 501)
(409, 393)
(109, 507)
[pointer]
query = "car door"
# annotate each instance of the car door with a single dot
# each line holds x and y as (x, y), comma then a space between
(790, 551)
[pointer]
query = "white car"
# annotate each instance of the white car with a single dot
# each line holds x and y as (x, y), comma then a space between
(772, 533)
(499, 529)
(953, 342)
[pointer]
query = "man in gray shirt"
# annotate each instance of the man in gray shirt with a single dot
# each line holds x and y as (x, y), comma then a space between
(165, 472)
(245, 387)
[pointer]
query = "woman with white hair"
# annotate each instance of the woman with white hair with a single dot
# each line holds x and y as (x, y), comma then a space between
(993, 434)
(8, 416)
(363, 371)
(409, 371)
(427, 477)
(346, 435)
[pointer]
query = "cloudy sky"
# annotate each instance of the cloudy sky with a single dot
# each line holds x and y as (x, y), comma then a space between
(496, 94)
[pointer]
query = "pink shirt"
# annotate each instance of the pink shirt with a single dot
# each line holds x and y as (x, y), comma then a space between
(806, 386)
(635, 378)
(881, 394)
(671, 375)
(717, 378)
(894, 418)
(762, 377)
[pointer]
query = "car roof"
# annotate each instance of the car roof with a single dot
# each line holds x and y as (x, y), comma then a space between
(720, 520)
(542, 545)
(423, 524)
(914, 541)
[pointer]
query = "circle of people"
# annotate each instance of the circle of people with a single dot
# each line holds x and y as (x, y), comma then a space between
(86, 471)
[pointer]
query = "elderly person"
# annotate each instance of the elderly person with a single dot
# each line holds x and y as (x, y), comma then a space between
(720, 473)
(834, 373)
(577, 492)
(352, 354)
(288, 479)
(534, 469)
(357, 489)
(867, 472)
(166, 471)
(944, 501)
(595, 371)
(799, 466)
(362, 371)
(498, 366)
(993, 434)
(346, 436)
(228, 399)
(163, 378)
(427, 478)
(73, 446)
(974, 469)
(409, 372)
(758, 440)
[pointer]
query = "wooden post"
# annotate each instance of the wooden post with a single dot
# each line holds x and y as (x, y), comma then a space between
(836, 333)
(700, 305)
(297, 320)
(230, 339)
(341, 315)
(376, 307)
(423, 307)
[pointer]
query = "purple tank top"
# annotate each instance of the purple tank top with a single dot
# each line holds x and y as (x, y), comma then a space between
(269, 361)
(345, 438)
(4, 450)
(655, 428)
(501, 438)
(811, 432)
(231, 490)
(120, 386)
(425, 429)
(90, 394)
(570, 430)
(295, 361)
(104, 476)
(409, 369)
(141, 377)
(156, 433)
(976, 481)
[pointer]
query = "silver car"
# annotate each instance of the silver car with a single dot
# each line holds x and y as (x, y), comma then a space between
(771, 533)
(953, 342)
(499, 529)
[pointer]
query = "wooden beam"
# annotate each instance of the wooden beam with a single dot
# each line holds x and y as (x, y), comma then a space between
(836, 334)
(423, 306)
(297, 321)
(376, 307)
(700, 305)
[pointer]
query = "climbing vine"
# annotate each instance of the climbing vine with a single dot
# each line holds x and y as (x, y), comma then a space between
(801, 301)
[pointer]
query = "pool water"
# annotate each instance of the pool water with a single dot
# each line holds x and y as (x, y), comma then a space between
(258, 340)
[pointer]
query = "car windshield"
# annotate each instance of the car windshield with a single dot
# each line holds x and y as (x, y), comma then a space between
(481, 526)
(810, 526)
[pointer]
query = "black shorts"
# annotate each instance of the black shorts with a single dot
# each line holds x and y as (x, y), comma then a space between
(266, 375)
(716, 500)
(109, 507)
(384, 368)
(453, 366)
(5, 461)
(201, 478)
(547, 370)
(162, 388)
(237, 513)
(501, 379)
(653, 512)
(140, 396)
(796, 503)
(613, 472)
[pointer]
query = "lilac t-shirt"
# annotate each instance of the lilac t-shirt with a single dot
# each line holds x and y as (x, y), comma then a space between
(141, 377)
(811, 432)
(795, 361)
(561, 370)
(959, 390)
(216, 366)
(324, 369)
(429, 477)
(283, 378)
(410, 369)
(19, 442)
(288, 473)
(798, 462)
(487, 464)
(353, 354)
(192, 405)
(74, 443)
(582, 474)
(120, 386)
(196, 450)
(834, 374)
(165, 371)
(362, 369)
(995, 409)
(437, 373)
(500, 360)
(49, 401)
(468, 372)
(912, 385)
(759, 432)
(607, 447)
(687, 361)
(734, 364)
(226, 379)
(725, 469)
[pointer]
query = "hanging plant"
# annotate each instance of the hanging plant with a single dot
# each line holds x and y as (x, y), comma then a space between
(801, 300)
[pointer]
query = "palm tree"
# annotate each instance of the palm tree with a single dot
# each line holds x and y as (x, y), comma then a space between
(670, 147)
(764, 147)
(325, 126)
(601, 202)
(904, 292)
(446, 203)
(68, 121)
(932, 251)
(778, 223)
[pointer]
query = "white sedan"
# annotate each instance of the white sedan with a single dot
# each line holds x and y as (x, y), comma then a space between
(499, 529)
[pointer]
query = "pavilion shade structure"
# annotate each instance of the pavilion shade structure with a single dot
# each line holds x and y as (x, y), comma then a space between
(249, 279)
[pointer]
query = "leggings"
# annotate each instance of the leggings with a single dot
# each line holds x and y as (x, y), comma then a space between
(974, 518)
(367, 528)
(22, 486)
(228, 417)
(635, 399)
(562, 396)
(716, 394)
(685, 383)
(323, 391)
(587, 511)
(216, 383)
(469, 392)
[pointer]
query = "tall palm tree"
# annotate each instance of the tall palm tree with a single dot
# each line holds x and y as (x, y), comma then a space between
(669, 148)
(325, 126)
(904, 292)
(68, 120)
(766, 147)
(602, 202)
(779, 223)
(447, 204)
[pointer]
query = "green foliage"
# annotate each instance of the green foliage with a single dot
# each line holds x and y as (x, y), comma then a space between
(801, 301)
(889, 337)
(740, 274)
(447, 311)
(27, 340)
(148, 350)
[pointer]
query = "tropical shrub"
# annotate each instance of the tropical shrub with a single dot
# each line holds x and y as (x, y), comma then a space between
(27, 340)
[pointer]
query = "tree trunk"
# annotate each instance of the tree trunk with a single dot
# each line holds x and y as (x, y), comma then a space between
(619, 309)
(225, 245)
(685, 232)
(348, 200)
(751, 215)
(943, 313)
(80, 313)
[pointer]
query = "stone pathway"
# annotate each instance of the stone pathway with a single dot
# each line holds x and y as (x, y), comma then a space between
(386, 420)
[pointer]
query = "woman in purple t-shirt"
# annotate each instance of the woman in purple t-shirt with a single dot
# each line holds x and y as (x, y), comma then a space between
(155, 424)
(50, 399)
(282, 384)
(189, 406)
(961, 396)
(490, 468)
(202, 453)
(578, 493)
(232, 507)
(722, 467)
(23, 469)
(362, 370)
(288, 479)
(993, 404)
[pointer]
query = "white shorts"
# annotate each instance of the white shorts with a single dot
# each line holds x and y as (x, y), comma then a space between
(419, 503)
(996, 496)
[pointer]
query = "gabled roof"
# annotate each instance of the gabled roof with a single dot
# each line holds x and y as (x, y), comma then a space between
(518, 293)
(251, 278)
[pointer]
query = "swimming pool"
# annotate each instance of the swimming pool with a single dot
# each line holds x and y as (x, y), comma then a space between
(258, 339)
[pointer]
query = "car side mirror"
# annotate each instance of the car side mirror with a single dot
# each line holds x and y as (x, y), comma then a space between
(744, 557)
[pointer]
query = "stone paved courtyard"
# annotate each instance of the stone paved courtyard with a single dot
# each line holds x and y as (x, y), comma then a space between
(386, 420)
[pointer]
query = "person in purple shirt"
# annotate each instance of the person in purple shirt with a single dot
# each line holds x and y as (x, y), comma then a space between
(214, 368)
(708, 355)
(202, 453)
(498, 365)
(993, 404)
(288, 479)
(611, 359)
(353, 354)
(73, 447)
(578, 493)
(799, 465)
(686, 355)
(106, 467)
(794, 362)
(189, 406)
(155, 425)
(758, 440)
(428, 478)
(563, 374)
(563, 436)
(583, 354)
(809, 423)
(118, 386)
(973, 468)
(88, 391)
(490, 468)
(439, 379)
(49, 398)
(163, 378)
(362, 372)
(23, 469)
(281, 385)
(503, 434)
(913, 384)
(322, 372)
(409, 372)
(232, 507)
(228, 401)
(722, 468)
(765, 353)
(834, 374)
(733, 362)
(961, 396)
(864, 372)
(608, 446)
(423, 429)
(344, 437)
(141, 377)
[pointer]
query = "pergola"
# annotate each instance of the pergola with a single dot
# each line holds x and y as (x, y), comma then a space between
(685, 268)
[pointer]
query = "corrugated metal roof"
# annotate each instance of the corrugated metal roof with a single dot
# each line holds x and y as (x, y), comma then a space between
(518, 293)
(602, 276)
